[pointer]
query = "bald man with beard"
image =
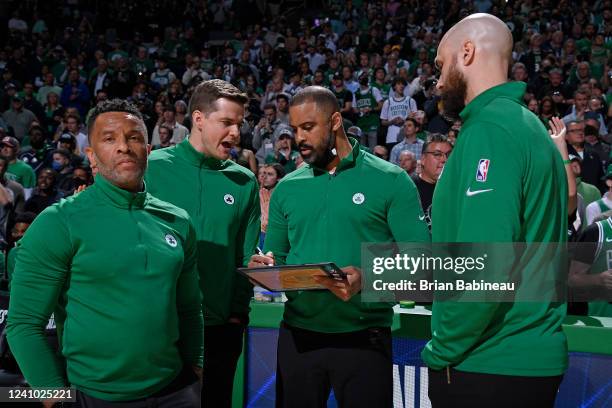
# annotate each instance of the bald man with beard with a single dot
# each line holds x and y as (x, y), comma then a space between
(504, 183)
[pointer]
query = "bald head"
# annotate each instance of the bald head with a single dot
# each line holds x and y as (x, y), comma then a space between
(488, 33)
(473, 56)
(323, 98)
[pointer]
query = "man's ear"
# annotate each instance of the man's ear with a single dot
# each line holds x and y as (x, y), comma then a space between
(336, 120)
(468, 51)
(91, 156)
(197, 119)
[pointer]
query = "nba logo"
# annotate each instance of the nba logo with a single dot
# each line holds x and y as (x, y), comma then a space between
(483, 169)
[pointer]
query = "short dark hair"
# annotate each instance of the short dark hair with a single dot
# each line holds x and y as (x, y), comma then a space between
(24, 218)
(322, 97)
(278, 168)
(398, 80)
(73, 116)
(50, 170)
(37, 127)
(414, 122)
(168, 128)
(111, 105)
(435, 138)
(282, 96)
(269, 106)
(207, 93)
(85, 168)
(581, 92)
(63, 152)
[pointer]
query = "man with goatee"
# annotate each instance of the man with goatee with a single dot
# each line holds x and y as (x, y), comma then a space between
(323, 212)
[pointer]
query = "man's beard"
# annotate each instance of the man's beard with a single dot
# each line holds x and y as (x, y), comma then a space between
(453, 95)
(122, 178)
(324, 154)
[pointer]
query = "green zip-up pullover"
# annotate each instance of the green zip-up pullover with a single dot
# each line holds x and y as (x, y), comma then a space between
(118, 269)
(316, 217)
(505, 182)
(222, 199)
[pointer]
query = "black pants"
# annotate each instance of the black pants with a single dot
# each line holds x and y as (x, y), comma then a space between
(183, 392)
(356, 365)
(476, 390)
(222, 348)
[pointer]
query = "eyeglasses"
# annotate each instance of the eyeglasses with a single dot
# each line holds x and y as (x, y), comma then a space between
(438, 154)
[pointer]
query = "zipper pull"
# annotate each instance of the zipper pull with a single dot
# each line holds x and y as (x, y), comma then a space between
(448, 374)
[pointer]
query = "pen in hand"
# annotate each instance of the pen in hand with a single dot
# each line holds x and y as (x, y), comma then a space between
(261, 253)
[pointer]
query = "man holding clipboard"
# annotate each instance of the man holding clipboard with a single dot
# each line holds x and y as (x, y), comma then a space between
(320, 213)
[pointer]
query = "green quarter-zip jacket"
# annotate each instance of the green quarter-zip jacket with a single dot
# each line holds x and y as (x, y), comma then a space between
(316, 217)
(505, 182)
(222, 199)
(118, 269)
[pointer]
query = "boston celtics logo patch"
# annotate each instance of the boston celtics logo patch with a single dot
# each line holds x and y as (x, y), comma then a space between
(170, 240)
(229, 199)
(358, 198)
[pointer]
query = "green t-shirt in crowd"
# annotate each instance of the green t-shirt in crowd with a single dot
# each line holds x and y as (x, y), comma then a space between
(289, 165)
(384, 89)
(367, 122)
(589, 192)
(22, 174)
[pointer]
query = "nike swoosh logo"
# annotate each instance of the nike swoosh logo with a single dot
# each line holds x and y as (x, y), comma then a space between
(470, 193)
(421, 217)
(608, 240)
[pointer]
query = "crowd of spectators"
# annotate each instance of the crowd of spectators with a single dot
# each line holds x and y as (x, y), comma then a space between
(59, 58)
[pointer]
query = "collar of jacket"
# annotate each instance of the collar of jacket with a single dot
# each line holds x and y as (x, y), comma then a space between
(512, 90)
(187, 152)
(117, 196)
(346, 162)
